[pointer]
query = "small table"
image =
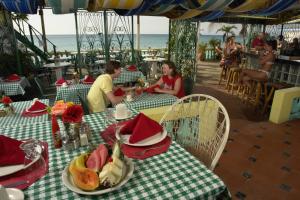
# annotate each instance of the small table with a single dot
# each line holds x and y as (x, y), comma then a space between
(17, 119)
(14, 88)
(128, 76)
(145, 101)
(57, 67)
(71, 92)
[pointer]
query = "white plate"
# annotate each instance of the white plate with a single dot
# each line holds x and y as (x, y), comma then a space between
(68, 181)
(146, 142)
(15, 194)
(129, 114)
(36, 111)
(6, 170)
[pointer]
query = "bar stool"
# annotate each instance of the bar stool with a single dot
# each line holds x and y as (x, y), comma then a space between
(233, 79)
(224, 73)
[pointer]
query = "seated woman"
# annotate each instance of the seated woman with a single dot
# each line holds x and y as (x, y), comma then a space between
(170, 82)
(266, 62)
(101, 94)
(229, 58)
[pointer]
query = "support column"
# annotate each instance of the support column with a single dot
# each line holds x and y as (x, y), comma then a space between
(107, 57)
(281, 31)
(41, 13)
(78, 45)
(138, 39)
(132, 43)
(169, 40)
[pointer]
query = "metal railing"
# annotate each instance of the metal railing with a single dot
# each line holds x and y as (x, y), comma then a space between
(35, 37)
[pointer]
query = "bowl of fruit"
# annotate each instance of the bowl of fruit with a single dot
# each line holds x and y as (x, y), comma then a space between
(100, 171)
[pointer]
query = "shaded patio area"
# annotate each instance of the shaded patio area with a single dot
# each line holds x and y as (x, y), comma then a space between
(260, 160)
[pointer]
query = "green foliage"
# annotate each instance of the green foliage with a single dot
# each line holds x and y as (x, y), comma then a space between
(227, 30)
(183, 38)
(214, 42)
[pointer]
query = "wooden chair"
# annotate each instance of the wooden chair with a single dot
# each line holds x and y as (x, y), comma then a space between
(199, 123)
(233, 79)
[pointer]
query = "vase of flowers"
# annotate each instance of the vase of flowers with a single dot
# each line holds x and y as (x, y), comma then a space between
(72, 118)
(8, 108)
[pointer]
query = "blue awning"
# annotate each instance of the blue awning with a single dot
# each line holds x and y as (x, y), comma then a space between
(20, 6)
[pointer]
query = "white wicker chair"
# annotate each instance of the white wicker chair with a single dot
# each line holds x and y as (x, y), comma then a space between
(199, 123)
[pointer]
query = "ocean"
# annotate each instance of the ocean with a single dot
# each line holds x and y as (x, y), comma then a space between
(155, 41)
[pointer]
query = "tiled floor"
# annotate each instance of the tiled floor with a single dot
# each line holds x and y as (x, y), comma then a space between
(261, 160)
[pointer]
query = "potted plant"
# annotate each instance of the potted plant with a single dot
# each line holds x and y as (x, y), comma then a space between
(201, 51)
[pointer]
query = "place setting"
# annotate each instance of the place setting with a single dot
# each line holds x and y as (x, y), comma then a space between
(37, 108)
(22, 163)
(140, 137)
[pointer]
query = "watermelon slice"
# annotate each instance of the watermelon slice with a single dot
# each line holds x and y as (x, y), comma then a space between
(94, 161)
(103, 152)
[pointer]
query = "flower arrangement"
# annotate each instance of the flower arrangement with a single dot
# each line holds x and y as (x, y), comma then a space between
(140, 82)
(73, 114)
(6, 100)
(60, 107)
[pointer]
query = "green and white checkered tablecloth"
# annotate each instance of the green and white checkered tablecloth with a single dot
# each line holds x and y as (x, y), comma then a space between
(70, 93)
(14, 88)
(128, 76)
(175, 174)
(145, 101)
(17, 119)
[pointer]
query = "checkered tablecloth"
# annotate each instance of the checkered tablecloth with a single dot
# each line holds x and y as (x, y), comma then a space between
(70, 93)
(145, 101)
(14, 88)
(175, 174)
(17, 119)
(128, 76)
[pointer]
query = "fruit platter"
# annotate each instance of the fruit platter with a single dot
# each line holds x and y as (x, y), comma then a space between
(100, 171)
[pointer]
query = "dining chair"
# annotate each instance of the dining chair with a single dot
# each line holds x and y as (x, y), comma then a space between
(44, 93)
(83, 104)
(200, 124)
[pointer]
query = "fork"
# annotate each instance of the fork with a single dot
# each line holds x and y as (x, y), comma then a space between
(141, 153)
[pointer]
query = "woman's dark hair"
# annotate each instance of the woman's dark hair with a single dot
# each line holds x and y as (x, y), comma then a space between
(272, 43)
(171, 66)
(111, 66)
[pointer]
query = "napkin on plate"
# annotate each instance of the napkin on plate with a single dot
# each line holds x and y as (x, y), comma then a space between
(31, 174)
(141, 127)
(119, 92)
(13, 77)
(88, 80)
(37, 106)
(108, 136)
(10, 153)
(151, 89)
(60, 81)
(132, 68)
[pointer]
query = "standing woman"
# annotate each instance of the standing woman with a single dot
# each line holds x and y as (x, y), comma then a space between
(229, 53)
(171, 81)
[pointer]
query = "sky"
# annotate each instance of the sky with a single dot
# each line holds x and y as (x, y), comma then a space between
(65, 24)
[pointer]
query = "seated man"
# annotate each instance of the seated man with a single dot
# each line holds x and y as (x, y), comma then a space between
(258, 42)
(101, 94)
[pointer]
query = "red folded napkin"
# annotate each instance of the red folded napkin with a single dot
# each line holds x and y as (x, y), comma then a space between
(60, 81)
(132, 68)
(151, 89)
(13, 77)
(119, 92)
(108, 136)
(10, 153)
(31, 174)
(89, 79)
(37, 106)
(140, 128)
(30, 114)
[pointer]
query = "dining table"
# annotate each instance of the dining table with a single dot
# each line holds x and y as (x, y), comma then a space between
(127, 76)
(17, 119)
(11, 88)
(175, 174)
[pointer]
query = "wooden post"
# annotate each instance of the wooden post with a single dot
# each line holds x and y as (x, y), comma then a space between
(41, 13)
(138, 34)
(78, 45)
(107, 57)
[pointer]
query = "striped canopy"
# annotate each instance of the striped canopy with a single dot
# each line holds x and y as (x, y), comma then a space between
(20, 6)
(204, 10)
